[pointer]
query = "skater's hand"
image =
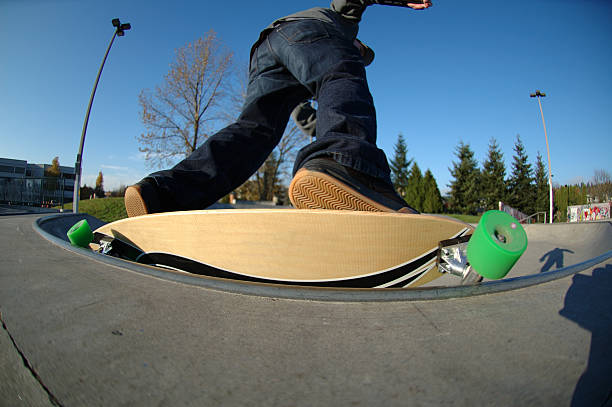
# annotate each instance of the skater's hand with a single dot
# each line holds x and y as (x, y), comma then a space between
(423, 6)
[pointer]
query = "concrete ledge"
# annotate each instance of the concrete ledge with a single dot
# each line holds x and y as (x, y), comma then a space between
(54, 228)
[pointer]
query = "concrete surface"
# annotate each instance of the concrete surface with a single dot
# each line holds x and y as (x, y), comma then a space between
(18, 385)
(6, 210)
(99, 334)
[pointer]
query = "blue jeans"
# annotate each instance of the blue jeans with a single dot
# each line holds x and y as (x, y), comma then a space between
(297, 61)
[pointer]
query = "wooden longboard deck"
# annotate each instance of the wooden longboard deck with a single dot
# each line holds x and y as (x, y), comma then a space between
(310, 247)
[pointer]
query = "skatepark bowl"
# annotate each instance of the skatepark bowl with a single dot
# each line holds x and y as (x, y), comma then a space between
(79, 328)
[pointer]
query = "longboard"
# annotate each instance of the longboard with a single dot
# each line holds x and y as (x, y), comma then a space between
(286, 246)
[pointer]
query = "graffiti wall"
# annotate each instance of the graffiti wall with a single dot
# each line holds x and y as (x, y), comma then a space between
(585, 213)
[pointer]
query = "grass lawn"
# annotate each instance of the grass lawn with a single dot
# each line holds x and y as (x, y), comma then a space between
(112, 209)
(105, 209)
(466, 218)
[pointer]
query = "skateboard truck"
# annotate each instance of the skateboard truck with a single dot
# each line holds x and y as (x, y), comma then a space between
(116, 248)
(106, 246)
(452, 259)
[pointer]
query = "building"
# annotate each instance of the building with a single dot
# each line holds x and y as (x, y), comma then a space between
(22, 183)
(12, 168)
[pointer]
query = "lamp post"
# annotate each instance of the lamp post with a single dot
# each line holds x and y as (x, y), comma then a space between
(119, 31)
(540, 95)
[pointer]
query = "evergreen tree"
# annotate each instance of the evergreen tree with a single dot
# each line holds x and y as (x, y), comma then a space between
(86, 192)
(542, 201)
(400, 165)
(99, 190)
(414, 190)
(465, 192)
(568, 195)
(432, 202)
(560, 204)
(521, 187)
(493, 181)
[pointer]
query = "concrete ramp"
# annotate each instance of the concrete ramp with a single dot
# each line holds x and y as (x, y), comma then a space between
(555, 246)
(78, 331)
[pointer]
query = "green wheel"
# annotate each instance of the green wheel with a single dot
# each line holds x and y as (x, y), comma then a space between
(496, 244)
(80, 234)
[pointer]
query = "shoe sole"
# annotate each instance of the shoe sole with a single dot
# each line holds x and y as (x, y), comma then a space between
(316, 190)
(134, 204)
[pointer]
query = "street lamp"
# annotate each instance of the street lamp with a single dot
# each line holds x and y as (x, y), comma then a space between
(540, 95)
(120, 30)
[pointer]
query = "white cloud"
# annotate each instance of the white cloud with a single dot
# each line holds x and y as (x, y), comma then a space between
(139, 156)
(115, 167)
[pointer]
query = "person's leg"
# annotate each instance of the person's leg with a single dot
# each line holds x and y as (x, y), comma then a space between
(343, 168)
(229, 157)
(298, 60)
(331, 67)
(323, 183)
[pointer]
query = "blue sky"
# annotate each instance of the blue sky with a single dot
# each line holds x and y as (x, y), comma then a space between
(460, 71)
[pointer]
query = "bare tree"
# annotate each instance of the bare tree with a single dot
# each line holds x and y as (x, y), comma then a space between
(601, 177)
(184, 111)
(269, 177)
(267, 181)
(601, 186)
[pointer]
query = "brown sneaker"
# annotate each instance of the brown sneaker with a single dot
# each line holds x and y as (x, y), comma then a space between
(141, 199)
(322, 183)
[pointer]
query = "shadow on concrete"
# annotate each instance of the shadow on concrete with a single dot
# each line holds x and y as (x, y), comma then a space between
(553, 258)
(588, 303)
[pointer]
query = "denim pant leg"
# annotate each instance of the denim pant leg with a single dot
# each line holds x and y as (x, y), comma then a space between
(331, 68)
(228, 158)
(297, 61)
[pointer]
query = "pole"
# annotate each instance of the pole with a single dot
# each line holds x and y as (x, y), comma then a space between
(550, 188)
(119, 31)
(79, 157)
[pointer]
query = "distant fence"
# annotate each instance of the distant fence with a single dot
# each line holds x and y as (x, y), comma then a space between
(585, 213)
(42, 191)
(518, 215)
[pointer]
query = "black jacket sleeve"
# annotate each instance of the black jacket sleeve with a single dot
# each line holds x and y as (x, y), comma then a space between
(350, 9)
(353, 9)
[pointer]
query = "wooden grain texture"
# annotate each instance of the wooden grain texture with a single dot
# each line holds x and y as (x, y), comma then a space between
(289, 244)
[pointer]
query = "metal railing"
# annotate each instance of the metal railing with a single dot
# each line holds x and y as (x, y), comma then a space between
(536, 216)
